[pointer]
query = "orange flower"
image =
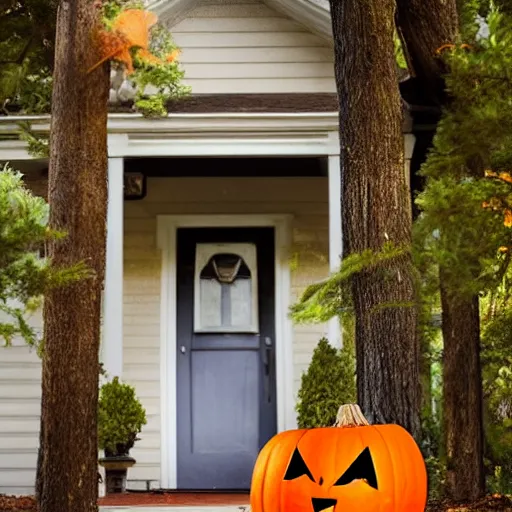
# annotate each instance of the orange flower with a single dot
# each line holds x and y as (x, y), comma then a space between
(490, 174)
(148, 56)
(503, 248)
(129, 30)
(452, 46)
(172, 56)
(505, 176)
(508, 218)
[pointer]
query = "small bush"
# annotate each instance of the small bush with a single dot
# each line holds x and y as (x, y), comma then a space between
(120, 417)
(328, 383)
(436, 471)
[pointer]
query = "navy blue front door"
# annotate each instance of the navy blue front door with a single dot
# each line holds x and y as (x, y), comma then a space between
(226, 394)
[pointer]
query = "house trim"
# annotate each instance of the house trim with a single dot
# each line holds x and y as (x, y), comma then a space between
(218, 134)
(167, 226)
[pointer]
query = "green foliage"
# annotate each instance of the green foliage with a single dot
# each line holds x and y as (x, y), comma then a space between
(328, 383)
(120, 416)
(38, 144)
(112, 8)
(26, 76)
(399, 53)
(27, 33)
(450, 232)
(436, 471)
(464, 226)
(151, 107)
(164, 78)
(24, 275)
(35, 92)
(497, 388)
(332, 296)
(474, 135)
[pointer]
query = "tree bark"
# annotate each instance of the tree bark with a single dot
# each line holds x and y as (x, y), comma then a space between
(78, 201)
(376, 208)
(425, 25)
(462, 397)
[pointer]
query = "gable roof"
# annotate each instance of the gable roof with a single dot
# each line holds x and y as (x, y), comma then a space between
(313, 14)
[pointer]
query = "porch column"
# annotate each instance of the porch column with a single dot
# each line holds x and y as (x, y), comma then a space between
(112, 333)
(334, 333)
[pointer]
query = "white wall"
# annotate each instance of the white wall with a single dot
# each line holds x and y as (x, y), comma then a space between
(243, 46)
(20, 406)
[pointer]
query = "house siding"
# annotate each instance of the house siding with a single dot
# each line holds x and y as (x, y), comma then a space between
(305, 198)
(20, 406)
(243, 46)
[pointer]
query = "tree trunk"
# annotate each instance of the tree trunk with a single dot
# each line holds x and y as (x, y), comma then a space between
(462, 397)
(376, 208)
(425, 25)
(78, 201)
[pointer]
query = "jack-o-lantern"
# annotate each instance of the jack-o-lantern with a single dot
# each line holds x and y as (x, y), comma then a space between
(351, 467)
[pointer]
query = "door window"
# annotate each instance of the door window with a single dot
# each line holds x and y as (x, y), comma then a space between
(225, 288)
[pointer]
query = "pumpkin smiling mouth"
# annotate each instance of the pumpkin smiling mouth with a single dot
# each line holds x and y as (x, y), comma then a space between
(323, 504)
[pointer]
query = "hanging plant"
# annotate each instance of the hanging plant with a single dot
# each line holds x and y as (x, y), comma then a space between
(133, 40)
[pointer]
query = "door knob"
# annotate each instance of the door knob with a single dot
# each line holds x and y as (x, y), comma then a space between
(183, 350)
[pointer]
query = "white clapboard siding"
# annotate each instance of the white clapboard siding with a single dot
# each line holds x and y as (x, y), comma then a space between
(305, 198)
(20, 407)
(246, 47)
(17, 481)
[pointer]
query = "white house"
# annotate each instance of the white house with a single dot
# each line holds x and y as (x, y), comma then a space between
(241, 212)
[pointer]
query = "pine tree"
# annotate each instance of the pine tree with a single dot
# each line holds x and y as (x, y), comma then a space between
(456, 233)
(24, 274)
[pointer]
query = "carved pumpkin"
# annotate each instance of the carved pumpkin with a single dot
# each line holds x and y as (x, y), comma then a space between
(353, 467)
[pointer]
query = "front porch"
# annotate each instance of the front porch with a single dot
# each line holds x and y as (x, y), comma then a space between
(216, 172)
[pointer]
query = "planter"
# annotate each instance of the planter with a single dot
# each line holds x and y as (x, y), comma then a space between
(116, 469)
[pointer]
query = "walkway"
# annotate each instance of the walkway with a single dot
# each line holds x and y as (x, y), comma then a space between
(177, 508)
(175, 502)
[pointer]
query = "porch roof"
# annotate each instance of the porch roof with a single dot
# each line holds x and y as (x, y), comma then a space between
(198, 134)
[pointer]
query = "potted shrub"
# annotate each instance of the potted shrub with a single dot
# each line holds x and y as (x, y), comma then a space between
(120, 419)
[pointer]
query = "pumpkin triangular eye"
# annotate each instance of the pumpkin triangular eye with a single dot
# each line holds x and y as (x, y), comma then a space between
(361, 469)
(297, 467)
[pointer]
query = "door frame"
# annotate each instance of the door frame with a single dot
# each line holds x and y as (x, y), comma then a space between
(167, 226)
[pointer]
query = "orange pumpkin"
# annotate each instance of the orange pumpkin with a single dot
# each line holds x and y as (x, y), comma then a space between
(352, 467)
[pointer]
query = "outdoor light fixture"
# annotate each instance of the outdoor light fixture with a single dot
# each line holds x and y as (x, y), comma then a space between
(134, 186)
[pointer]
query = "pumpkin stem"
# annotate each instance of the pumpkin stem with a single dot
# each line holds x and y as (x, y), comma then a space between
(350, 415)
